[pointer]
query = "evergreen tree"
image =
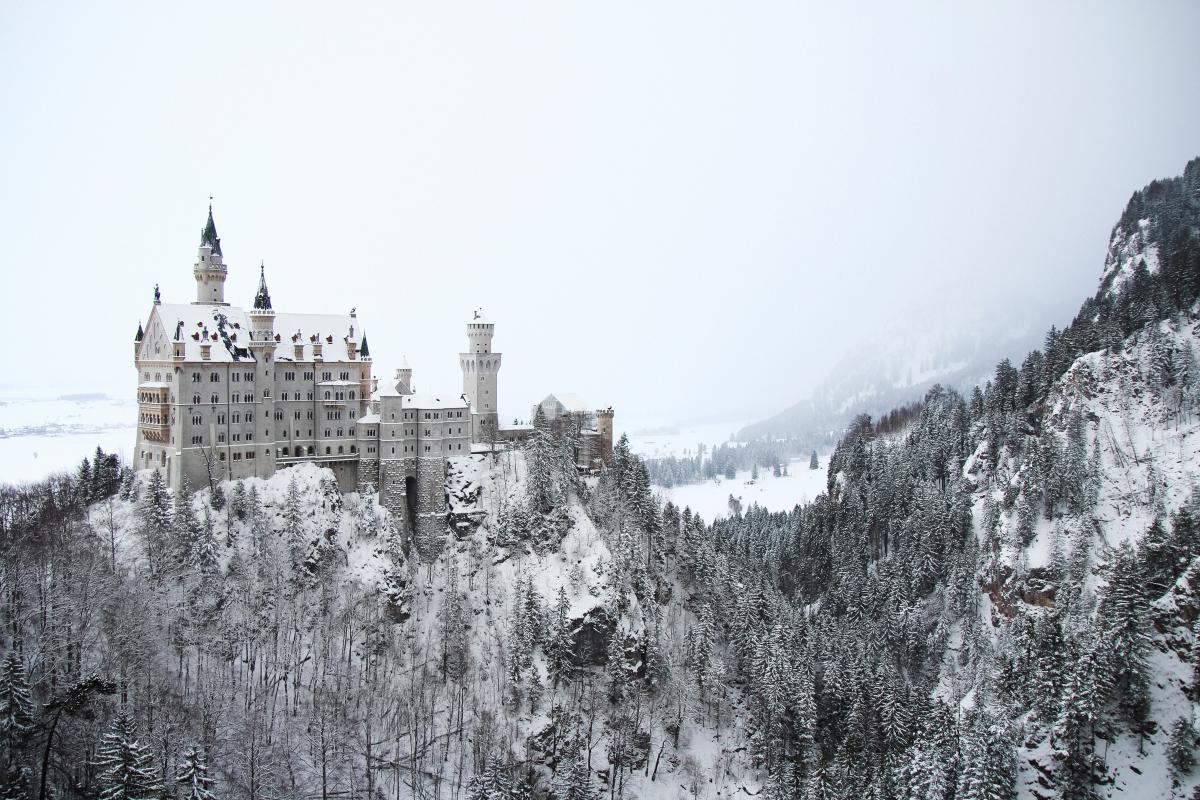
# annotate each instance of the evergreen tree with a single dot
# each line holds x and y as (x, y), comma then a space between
(155, 520)
(575, 783)
(813, 463)
(1125, 612)
(192, 775)
(16, 708)
(491, 783)
(125, 767)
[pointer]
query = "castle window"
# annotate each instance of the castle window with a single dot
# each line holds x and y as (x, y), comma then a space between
(249, 454)
(215, 399)
(214, 378)
(352, 431)
(221, 456)
(352, 395)
(308, 376)
(233, 378)
(195, 377)
(327, 395)
(326, 376)
(283, 451)
(340, 450)
(353, 449)
(327, 451)
(220, 437)
(237, 456)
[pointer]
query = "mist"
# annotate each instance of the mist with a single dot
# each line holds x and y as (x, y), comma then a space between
(678, 209)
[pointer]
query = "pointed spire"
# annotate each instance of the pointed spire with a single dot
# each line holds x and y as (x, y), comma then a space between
(209, 235)
(141, 334)
(364, 351)
(262, 300)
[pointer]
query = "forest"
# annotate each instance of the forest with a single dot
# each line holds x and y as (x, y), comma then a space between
(996, 597)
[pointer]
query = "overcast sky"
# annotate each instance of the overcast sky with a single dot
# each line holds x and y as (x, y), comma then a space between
(675, 208)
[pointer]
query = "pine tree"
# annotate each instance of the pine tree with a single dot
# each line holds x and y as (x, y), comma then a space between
(16, 707)
(1125, 611)
(125, 767)
(155, 520)
(490, 783)
(193, 776)
(575, 783)
(293, 515)
(813, 463)
(559, 642)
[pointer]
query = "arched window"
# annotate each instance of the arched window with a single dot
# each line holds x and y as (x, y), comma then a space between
(327, 451)
(327, 395)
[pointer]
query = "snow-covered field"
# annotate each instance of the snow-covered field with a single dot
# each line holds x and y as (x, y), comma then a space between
(41, 434)
(711, 498)
(680, 440)
(24, 459)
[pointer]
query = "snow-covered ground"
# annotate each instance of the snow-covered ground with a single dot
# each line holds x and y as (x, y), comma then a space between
(24, 459)
(41, 434)
(681, 440)
(711, 498)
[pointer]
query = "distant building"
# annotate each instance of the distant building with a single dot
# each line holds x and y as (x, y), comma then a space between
(591, 427)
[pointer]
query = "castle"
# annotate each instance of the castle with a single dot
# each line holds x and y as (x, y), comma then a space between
(227, 393)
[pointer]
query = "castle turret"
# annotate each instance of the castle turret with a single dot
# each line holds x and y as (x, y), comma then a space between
(480, 367)
(210, 265)
(604, 426)
(404, 377)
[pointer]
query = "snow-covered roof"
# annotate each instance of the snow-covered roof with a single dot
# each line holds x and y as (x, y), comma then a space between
(518, 427)
(425, 400)
(570, 401)
(369, 419)
(227, 330)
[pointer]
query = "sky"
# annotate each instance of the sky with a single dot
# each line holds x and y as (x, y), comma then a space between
(678, 209)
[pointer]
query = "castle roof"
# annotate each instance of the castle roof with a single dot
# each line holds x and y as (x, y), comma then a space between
(208, 236)
(227, 329)
(571, 402)
(262, 298)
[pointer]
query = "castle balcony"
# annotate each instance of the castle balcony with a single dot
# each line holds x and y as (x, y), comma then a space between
(160, 434)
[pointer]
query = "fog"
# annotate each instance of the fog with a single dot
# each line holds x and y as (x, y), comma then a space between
(679, 209)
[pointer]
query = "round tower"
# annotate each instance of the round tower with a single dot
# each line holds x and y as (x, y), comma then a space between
(210, 269)
(604, 426)
(481, 367)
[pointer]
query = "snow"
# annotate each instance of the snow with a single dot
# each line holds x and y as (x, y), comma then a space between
(711, 498)
(681, 440)
(1124, 252)
(40, 435)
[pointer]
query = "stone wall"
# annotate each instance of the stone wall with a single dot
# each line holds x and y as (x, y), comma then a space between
(368, 474)
(431, 497)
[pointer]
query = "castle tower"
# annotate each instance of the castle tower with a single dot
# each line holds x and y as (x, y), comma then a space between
(262, 346)
(210, 266)
(404, 377)
(480, 367)
(604, 426)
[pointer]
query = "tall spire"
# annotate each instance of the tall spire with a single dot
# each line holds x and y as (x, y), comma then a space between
(364, 351)
(209, 235)
(262, 300)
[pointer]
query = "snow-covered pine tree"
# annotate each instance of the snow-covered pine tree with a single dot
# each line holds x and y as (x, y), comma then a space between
(125, 767)
(192, 775)
(575, 783)
(16, 714)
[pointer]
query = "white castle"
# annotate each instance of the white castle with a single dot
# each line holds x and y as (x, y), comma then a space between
(227, 393)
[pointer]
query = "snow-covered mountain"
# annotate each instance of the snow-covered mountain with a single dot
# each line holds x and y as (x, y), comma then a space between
(995, 597)
(898, 368)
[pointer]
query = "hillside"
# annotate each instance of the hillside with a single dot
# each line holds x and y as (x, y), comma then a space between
(995, 596)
